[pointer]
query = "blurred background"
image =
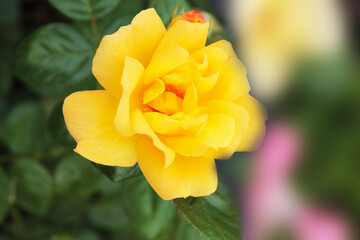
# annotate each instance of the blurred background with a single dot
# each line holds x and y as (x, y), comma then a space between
(302, 58)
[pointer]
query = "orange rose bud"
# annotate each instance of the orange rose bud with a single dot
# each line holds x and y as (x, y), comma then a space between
(191, 16)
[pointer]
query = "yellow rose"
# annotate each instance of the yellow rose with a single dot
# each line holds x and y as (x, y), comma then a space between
(170, 104)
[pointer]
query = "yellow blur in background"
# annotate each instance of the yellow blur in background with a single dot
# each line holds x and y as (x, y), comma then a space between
(274, 35)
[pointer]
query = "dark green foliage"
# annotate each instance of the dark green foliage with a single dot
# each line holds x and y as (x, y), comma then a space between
(119, 174)
(57, 128)
(34, 186)
(214, 217)
(84, 9)
(77, 176)
(55, 58)
(24, 128)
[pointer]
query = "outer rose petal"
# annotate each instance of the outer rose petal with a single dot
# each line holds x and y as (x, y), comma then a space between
(110, 149)
(225, 46)
(256, 128)
(216, 57)
(191, 36)
(131, 96)
(89, 118)
(241, 117)
(137, 40)
(186, 176)
(89, 113)
(231, 84)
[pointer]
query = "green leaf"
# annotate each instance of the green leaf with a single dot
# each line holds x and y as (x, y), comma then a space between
(163, 215)
(165, 8)
(204, 5)
(54, 59)
(108, 214)
(57, 127)
(3, 237)
(24, 128)
(111, 25)
(34, 186)
(185, 231)
(141, 214)
(214, 217)
(119, 174)
(84, 9)
(67, 210)
(120, 16)
(77, 176)
(30, 230)
(4, 194)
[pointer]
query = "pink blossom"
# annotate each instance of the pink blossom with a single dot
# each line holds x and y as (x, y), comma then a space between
(271, 203)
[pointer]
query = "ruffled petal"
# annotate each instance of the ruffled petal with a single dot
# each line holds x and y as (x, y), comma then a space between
(232, 82)
(147, 31)
(215, 56)
(256, 127)
(164, 63)
(164, 124)
(167, 103)
(109, 148)
(137, 40)
(89, 117)
(204, 84)
(226, 47)
(217, 133)
(191, 36)
(141, 126)
(186, 176)
(153, 91)
(241, 117)
(131, 96)
(89, 113)
(190, 99)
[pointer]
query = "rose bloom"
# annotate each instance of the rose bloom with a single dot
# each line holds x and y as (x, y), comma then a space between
(170, 104)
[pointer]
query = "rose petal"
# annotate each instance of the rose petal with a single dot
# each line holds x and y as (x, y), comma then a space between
(186, 176)
(256, 127)
(131, 97)
(89, 118)
(141, 126)
(128, 41)
(191, 36)
(217, 133)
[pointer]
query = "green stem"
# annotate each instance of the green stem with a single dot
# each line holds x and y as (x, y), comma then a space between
(95, 30)
(94, 24)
